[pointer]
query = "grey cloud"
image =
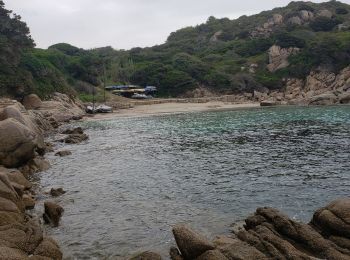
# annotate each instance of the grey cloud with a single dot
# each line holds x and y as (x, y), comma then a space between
(123, 24)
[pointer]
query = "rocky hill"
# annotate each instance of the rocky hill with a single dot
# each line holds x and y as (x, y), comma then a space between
(281, 50)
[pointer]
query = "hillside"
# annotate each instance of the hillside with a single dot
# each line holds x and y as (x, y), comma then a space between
(223, 56)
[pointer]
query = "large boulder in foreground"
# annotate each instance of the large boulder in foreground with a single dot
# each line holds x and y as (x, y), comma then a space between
(17, 143)
(334, 219)
(191, 244)
(32, 101)
(269, 234)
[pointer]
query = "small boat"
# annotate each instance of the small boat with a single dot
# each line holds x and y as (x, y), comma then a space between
(141, 96)
(99, 109)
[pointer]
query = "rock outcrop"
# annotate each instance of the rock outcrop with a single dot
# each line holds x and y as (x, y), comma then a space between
(32, 101)
(278, 57)
(191, 244)
(21, 236)
(269, 234)
(61, 108)
(17, 143)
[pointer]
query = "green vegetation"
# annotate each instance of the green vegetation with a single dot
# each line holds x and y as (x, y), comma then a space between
(217, 54)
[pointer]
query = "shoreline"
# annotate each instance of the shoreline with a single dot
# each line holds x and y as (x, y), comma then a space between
(172, 108)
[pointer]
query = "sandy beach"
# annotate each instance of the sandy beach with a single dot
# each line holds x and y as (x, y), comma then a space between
(172, 108)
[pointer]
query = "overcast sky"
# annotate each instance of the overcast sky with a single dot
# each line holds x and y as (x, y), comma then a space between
(124, 24)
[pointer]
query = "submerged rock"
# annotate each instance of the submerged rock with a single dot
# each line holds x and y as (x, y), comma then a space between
(53, 213)
(74, 131)
(146, 256)
(63, 153)
(57, 192)
(190, 243)
(75, 138)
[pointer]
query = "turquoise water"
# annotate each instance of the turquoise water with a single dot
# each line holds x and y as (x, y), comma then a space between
(136, 177)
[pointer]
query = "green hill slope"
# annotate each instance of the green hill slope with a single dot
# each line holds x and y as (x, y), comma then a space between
(223, 55)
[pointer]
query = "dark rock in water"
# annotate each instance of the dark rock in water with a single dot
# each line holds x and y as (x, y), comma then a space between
(74, 131)
(63, 153)
(334, 219)
(57, 192)
(49, 147)
(146, 256)
(175, 254)
(75, 138)
(190, 243)
(53, 213)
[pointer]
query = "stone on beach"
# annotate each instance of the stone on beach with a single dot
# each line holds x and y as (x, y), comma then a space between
(190, 243)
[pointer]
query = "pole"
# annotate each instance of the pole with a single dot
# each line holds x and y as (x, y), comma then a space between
(104, 82)
(93, 99)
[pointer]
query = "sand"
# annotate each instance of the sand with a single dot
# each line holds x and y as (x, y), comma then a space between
(172, 108)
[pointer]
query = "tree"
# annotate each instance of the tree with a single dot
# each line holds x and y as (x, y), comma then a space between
(15, 39)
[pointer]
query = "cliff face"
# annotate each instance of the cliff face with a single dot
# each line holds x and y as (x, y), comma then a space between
(321, 87)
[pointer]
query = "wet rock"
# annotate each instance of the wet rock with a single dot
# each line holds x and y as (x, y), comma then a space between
(17, 143)
(28, 201)
(63, 153)
(334, 219)
(38, 164)
(75, 138)
(57, 192)
(212, 255)
(53, 213)
(175, 254)
(75, 131)
(146, 256)
(32, 101)
(190, 243)
(49, 147)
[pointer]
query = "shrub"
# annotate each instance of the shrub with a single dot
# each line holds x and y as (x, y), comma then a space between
(324, 24)
(341, 10)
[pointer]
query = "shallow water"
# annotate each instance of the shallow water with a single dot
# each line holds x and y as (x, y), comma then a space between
(136, 177)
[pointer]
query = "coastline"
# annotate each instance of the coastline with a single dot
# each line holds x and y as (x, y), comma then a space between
(172, 108)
